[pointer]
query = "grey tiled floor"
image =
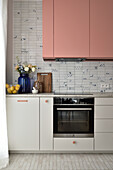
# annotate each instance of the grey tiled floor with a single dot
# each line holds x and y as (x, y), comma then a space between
(60, 162)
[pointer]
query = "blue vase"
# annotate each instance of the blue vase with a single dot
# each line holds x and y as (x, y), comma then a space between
(31, 84)
(24, 81)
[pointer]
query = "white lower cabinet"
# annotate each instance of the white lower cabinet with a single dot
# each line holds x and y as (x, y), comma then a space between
(106, 101)
(104, 141)
(23, 123)
(46, 123)
(104, 112)
(103, 126)
(71, 144)
(30, 126)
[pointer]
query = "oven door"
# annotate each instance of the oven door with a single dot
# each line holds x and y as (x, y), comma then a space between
(71, 120)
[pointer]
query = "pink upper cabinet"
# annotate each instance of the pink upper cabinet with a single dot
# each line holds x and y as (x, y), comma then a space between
(71, 28)
(47, 29)
(101, 28)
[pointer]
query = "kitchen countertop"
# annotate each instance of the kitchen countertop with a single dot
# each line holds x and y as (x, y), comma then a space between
(62, 95)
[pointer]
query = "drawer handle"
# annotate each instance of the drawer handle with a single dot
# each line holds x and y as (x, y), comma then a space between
(46, 101)
(74, 142)
(22, 100)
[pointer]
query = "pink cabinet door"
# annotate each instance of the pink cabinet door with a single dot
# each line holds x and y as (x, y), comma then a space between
(47, 29)
(71, 28)
(101, 28)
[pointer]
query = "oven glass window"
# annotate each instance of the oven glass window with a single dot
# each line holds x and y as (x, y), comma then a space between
(73, 121)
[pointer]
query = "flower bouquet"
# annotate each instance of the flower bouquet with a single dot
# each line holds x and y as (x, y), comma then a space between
(24, 67)
(24, 81)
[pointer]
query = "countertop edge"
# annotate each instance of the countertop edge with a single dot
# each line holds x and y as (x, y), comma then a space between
(98, 95)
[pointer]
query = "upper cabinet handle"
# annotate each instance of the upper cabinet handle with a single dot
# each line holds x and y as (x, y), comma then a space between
(22, 100)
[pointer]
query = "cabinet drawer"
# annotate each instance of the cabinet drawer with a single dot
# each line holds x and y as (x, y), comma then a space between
(103, 101)
(105, 125)
(103, 141)
(103, 111)
(76, 144)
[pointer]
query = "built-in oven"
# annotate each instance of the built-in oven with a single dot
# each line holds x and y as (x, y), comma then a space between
(73, 117)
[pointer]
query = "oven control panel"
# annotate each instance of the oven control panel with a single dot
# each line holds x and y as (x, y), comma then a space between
(59, 100)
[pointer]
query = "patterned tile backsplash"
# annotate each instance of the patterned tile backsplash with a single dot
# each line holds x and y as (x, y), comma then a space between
(70, 77)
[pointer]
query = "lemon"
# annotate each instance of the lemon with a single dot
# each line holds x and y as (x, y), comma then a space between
(7, 86)
(18, 85)
(17, 88)
(14, 91)
(12, 88)
(9, 90)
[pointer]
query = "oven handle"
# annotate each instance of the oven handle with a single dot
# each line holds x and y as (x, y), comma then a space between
(74, 108)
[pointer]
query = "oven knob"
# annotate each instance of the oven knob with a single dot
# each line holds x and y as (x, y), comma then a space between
(74, 142)
(46, 101)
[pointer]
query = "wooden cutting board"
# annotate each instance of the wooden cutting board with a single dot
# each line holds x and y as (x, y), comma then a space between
(46, 79)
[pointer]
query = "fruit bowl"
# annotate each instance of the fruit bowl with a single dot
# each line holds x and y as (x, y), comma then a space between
(12, 89)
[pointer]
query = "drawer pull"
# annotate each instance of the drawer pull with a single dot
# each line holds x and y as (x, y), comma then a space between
(74, 142)
(22, 100)
(46, 101)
